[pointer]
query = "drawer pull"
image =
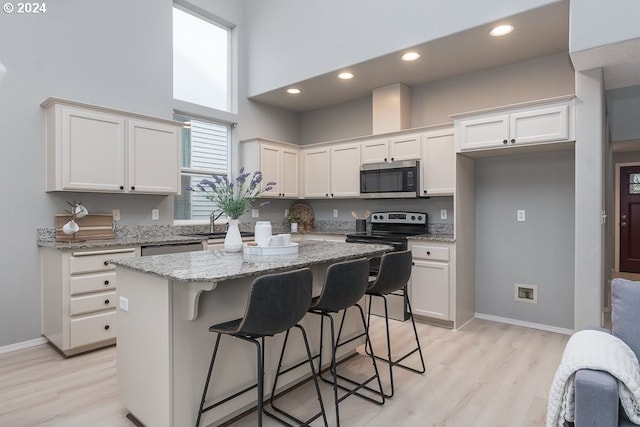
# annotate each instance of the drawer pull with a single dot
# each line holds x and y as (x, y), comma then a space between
(106, 302)
(106, 282)
(106, 263)
(428, 252)
(106, 327)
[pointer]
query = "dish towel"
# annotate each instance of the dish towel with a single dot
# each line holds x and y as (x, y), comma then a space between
(591, 349)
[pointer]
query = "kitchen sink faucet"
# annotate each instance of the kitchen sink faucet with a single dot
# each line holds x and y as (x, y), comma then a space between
(212, 219)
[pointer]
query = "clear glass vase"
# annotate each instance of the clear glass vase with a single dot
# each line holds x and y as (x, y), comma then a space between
(233, 240)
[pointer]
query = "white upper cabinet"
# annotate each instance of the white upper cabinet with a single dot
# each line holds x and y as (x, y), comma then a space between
(315, 166)
(279, 163)
(438, 163)
(93, 149)
(153, 156)
(534, 123)
(398, 148)
(331, 171)
(345, 170)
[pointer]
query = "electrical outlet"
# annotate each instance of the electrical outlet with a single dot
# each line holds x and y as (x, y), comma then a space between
(335, 213)
(155, 214)
(520, 215)
(255, 213)
(116, 214)
(443, 214)
(124, 303)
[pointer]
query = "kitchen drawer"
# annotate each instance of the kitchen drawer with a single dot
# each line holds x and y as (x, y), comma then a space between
(91, 303)
(95, 282)
(93, 328)
(433, 253)
(90, 261)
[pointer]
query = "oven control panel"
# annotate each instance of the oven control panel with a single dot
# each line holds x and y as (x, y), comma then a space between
(417, 218)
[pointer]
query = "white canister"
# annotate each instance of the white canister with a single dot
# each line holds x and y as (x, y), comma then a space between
(262, 233)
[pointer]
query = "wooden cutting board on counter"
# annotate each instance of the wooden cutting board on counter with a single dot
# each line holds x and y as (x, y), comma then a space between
(92, 227)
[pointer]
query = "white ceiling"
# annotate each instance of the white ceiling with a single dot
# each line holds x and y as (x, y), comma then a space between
(538, 32)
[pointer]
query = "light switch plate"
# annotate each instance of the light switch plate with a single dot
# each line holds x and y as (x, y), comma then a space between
(335, 213)
(155, 214)
(443, 214)
(116, 214)
(124, 303)
(521, 216)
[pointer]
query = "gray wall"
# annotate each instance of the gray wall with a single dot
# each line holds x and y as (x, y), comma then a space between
(71, 52)
(433, 103)
(623, 106)
(538, 251)
(95, 52)
(315, 37)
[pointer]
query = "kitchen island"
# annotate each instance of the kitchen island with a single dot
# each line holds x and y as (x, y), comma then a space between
(166, 305)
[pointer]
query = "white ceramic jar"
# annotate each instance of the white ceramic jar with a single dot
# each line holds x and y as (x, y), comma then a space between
(262, 233)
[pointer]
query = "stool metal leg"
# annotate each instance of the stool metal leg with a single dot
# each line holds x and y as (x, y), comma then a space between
(314, 377)
(206, 384)
(389, 360)
(335, 341)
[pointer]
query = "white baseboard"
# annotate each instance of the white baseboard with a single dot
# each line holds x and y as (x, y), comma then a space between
(22, 345)
(531, 325)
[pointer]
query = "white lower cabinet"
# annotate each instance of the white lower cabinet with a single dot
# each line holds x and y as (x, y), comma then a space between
(431, 281)
(79, 297)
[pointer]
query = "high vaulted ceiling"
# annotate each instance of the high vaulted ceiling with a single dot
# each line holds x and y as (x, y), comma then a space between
(538, 32)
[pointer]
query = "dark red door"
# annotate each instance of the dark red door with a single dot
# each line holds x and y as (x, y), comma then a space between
(630, 219)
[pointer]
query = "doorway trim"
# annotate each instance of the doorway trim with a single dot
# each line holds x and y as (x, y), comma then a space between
(616, 210)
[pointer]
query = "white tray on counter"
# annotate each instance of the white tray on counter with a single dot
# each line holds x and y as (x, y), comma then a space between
(270, 250)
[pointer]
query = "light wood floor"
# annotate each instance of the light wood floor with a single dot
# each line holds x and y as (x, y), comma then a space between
(484, 375)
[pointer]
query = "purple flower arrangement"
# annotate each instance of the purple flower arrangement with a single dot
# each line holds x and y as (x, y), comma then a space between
(233, 196)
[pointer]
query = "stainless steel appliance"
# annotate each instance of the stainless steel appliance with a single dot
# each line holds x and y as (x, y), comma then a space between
(390, 180)
(391, 228)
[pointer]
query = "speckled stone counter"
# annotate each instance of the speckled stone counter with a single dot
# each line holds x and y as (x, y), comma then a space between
(216, 265)
(433, 237)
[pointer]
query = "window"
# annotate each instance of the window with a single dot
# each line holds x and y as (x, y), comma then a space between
(200, 60)
(205, 151)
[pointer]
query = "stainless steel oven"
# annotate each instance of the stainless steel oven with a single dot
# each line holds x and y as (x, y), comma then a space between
(390, 180)
(391, 228)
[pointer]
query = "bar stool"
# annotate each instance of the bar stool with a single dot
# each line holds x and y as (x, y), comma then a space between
(394, 273)
(276, 303)
(345, 284)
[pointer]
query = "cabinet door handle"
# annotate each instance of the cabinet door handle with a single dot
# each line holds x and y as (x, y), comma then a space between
(392, 159)
(425, 191)
(133, 187)
(122, 187)
(106, 263)
(385, 159)
(513, 141)
(326, 194)
(331, 194)
(106, 327)
(413, 263)
(106, 302)
(106, 282)
(428, 252)
(504, 141)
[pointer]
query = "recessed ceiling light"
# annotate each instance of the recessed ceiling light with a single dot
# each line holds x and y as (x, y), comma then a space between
(293, 91)
(410, 56)
(501, 30)
(345, 76)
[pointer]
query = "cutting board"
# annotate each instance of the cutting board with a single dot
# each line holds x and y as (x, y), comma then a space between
(92, 227)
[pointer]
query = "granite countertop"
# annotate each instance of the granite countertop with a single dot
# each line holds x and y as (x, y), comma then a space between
(434, 237)
(216, 265)
(149, 239)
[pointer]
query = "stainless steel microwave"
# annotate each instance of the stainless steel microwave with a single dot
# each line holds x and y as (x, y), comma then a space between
(390, 180)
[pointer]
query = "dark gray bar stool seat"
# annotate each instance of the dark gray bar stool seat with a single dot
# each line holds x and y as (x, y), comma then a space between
(393, 275)
(344, 286)
(276, 303)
